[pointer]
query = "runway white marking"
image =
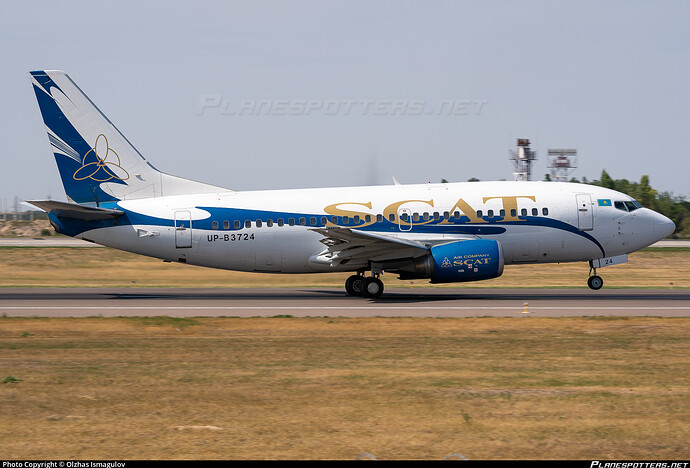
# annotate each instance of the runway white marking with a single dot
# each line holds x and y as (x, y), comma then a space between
(333, 308)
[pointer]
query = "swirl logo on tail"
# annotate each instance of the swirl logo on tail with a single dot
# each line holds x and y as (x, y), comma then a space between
(101, 163)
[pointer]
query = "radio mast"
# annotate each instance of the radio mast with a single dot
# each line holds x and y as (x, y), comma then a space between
(522, 160)
(561, 163)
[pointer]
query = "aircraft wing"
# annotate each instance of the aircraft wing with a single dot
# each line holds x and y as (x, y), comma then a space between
(75, 211)
(353, 246)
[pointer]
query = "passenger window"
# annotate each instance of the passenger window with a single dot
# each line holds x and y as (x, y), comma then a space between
(426, 216)
(312, 221)
(346, 220)
(391, 218)
(226, 224)
(415, 217)
(367, 218)
(324, 220)
(281, 223)
(291, 221)
(545, 211)
(258, 223)
(269, 222)
(334, 219)
(490, 213)
(379, 218)
(405, 217)
(214, 225)
(247, 224)
(502, 213)
(446, 215)
(356, 219)
(523, 212)
(436, 216)
(456, 215)
(237, 224)
(479, 214)
(513, 213)
(535, 212)
(303, 221)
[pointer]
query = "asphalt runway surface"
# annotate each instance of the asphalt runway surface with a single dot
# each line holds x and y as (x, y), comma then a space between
(317, 302)
(61, 241)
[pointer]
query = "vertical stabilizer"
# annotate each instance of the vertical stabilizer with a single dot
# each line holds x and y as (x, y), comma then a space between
(96, 162)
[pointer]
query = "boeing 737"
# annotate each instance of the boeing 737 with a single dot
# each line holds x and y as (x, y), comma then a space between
(447, 233)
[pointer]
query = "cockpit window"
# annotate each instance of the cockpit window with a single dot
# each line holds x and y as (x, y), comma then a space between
(630, 205)
(627, 205)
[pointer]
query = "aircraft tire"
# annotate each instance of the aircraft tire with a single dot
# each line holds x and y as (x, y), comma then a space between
(354, 285)
(595, 282)
(372, 287)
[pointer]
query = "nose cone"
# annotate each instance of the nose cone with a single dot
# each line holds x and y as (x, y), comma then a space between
(663, 227)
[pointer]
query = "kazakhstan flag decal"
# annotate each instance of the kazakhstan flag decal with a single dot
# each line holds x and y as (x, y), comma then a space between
(604, 202)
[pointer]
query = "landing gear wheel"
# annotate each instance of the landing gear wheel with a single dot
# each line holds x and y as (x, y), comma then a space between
(373, 287)
(595, 282)
(354, 285)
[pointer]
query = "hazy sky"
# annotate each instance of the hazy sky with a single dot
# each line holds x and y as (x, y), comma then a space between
(261, 95)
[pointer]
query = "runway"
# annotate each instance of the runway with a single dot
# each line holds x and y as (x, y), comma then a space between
(71, 242)
(316, 302)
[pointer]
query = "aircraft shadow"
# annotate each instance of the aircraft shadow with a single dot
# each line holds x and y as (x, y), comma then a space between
(391, 296)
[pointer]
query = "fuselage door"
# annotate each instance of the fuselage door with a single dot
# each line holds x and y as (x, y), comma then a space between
(404, 219)
(585, 216)
(183, 229)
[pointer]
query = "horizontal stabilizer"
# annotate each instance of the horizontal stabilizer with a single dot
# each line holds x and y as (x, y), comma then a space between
(74, 211)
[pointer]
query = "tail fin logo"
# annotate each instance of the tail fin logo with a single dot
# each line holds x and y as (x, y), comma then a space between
(101, 163)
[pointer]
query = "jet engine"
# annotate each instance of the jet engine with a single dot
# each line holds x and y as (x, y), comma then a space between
(470, 260)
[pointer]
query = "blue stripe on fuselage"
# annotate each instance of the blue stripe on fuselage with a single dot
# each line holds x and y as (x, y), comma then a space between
(461, 225)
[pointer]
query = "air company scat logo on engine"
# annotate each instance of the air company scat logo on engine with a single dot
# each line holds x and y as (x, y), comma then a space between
(471, 260)
(101, 163)
(446, 263)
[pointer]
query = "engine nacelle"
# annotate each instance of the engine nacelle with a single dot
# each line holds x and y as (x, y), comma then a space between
(470, 260)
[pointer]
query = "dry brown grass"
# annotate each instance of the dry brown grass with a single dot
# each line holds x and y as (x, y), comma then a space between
(79, 267)
(116, 388)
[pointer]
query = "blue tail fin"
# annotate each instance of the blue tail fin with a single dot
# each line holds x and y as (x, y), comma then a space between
(96, 162)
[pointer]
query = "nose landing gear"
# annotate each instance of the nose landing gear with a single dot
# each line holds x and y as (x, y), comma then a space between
(594, 282)
(369, 287)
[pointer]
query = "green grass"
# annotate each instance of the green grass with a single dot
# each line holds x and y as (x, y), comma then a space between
(295, 388)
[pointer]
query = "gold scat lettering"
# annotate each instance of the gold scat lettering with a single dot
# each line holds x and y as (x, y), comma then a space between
(467, 210)
(392, 212)
(393, 208)
(510, 205)
(333, 210)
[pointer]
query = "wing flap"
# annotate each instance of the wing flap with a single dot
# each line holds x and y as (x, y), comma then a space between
(348, 245)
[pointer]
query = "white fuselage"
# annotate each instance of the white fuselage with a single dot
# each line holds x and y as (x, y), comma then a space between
(274, 230)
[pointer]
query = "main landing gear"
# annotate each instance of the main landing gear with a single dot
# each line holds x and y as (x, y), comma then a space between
(369, 287)
(594, 281)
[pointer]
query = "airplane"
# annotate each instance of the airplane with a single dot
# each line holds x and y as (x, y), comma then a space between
(446, 232)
